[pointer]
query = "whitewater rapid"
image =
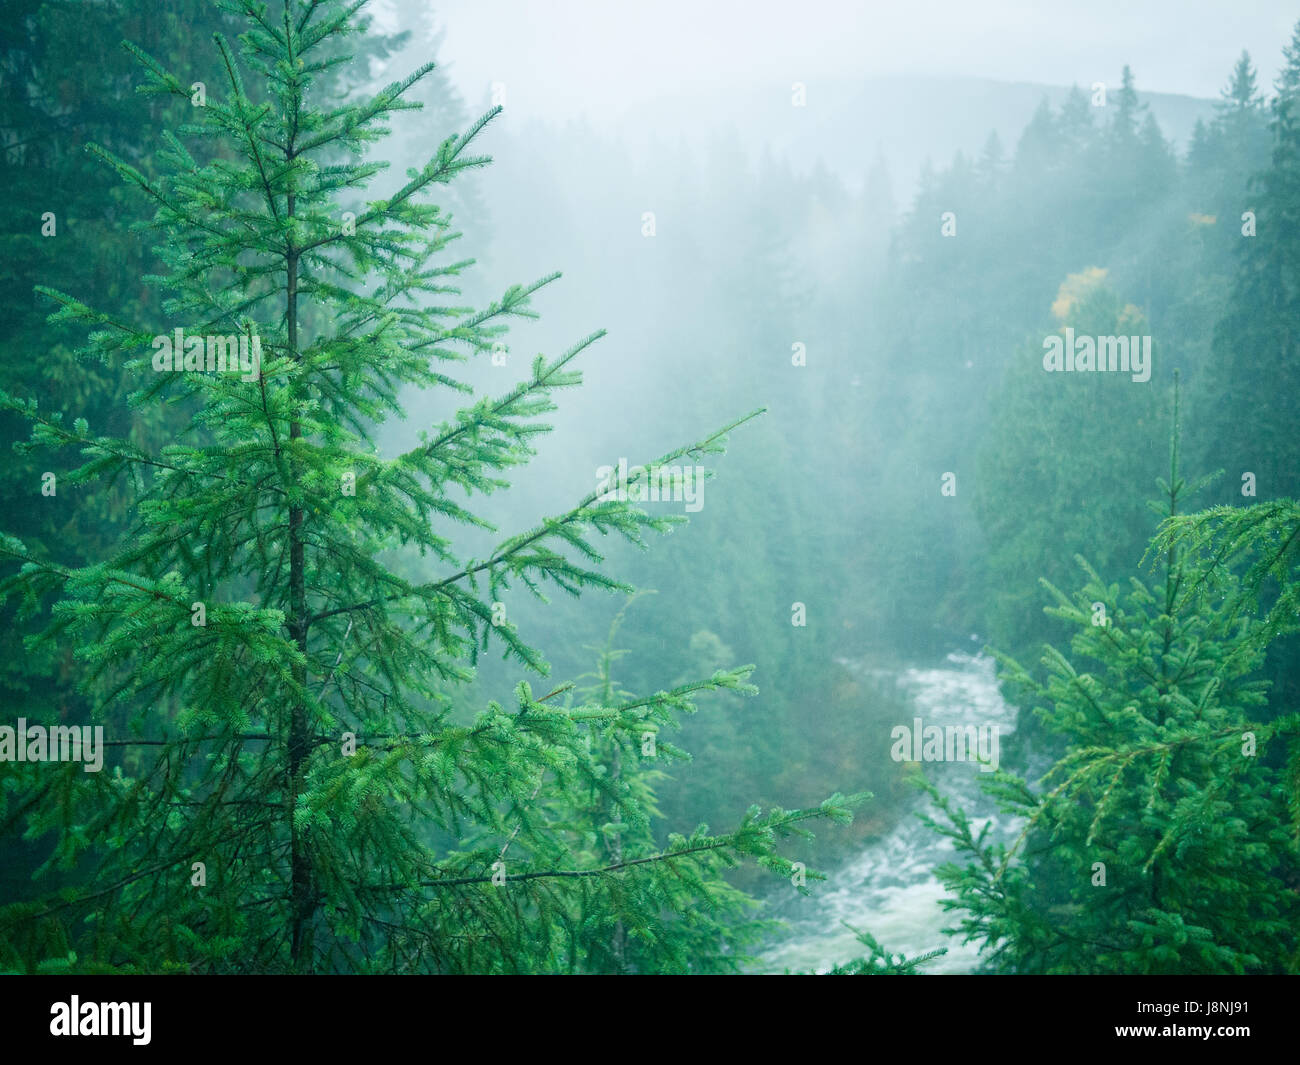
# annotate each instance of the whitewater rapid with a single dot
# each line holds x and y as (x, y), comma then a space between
(889, 889)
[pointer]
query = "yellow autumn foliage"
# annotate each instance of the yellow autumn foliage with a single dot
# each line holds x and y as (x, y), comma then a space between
(1074, 288)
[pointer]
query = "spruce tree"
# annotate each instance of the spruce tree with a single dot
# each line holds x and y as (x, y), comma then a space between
(1160, 842)
(54, 96)
(1036, 512)
(1221, 159)
(1256, 342)
(1127, 119)
(60, 227)
(1241, 94)
(288, 624)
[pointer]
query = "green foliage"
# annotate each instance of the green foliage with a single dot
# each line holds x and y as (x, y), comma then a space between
(880, 962)
(1158, 843)
(1252, 422)
(1056, 471)
(497, 843)
(58, 94)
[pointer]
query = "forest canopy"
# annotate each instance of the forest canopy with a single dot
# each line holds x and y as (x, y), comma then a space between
(365, 610)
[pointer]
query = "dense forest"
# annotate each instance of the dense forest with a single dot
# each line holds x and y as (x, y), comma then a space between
(434, 543)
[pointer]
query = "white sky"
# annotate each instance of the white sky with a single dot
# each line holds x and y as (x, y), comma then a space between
(565, 58)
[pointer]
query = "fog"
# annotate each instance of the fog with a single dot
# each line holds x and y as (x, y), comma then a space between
(797, 161)
(573, 57)
(986, 293)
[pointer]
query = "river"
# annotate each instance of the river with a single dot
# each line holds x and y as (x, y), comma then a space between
(889, 889)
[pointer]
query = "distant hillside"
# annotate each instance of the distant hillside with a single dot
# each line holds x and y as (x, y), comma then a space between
(845, 123)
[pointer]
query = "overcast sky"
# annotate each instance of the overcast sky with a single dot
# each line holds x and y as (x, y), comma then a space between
(566, 58)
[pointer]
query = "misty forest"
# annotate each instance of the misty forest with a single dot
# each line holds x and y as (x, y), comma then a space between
(844, 525)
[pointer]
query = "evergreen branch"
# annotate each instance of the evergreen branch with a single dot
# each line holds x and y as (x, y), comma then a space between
(783, 819)
(436, 171)
(512, 547)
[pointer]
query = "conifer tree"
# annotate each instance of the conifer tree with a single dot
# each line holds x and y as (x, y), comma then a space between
(59, 227)
(1159, 842)
(289, 622)
(1241, 94)
(1040, 139)
(1225, 154)
(1128, 114)
(1035, 513)
(1075, 124)
(1256, 342)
